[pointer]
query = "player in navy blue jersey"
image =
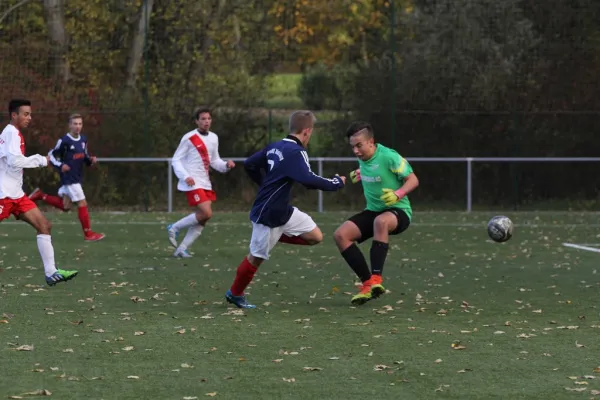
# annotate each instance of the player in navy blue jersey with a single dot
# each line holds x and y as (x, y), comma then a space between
(275, 169)
(68, 157)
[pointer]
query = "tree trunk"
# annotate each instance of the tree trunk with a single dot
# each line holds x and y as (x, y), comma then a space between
(54, 11)
(136, 51)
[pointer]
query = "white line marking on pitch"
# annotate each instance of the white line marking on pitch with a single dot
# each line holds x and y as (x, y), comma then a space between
(580, 247)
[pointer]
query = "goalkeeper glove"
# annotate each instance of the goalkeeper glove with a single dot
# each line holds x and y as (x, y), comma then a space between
(355, 176)
(391, 197)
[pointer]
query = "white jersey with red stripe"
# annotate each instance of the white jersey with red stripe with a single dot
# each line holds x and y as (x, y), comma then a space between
(194, 155)
(12, 162)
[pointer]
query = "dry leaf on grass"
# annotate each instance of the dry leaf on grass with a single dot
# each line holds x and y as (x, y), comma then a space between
(133, 377)
(312, 369)
(25, 347)
(289, 380)
(139, 333)
(211, 394)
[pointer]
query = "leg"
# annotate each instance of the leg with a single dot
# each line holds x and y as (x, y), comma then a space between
(383, 225)
(201, 200)
(84, 217)
(357, 229)
(202, 215)
(54, 201)
(35, 218)
(391, 222)
(262, 242)
(346, 237)
(67, 203)
(306, 239)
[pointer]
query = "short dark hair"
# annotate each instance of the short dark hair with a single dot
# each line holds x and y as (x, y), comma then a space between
(15, 104)
(301, 120)
(201, 110)
(358, 126)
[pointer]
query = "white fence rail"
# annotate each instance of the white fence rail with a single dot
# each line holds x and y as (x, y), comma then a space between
(320, 160)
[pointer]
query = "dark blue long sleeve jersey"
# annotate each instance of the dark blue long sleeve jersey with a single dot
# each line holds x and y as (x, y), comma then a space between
(275, 169)
(72, 152)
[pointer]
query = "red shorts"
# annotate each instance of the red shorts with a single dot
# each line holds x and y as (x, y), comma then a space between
(15, 207)
(198, 196)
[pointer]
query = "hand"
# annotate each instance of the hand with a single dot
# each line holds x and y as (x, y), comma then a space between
(391, 197)
(230, 164)
(48, 162)
(355, 176)
(94, 160)
(65, 168)
(190, 181)
(342, 178)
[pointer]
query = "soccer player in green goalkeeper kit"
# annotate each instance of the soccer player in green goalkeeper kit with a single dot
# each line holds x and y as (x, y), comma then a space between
(386, 178)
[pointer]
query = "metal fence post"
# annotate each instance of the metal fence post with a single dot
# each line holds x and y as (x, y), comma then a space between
(320, 169)
(469, 184)
(169, 186)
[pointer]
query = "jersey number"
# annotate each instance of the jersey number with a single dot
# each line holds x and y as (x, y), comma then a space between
(271, 164)
(1, 208)
(196, 197)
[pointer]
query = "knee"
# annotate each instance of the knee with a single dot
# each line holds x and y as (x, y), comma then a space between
(203, 215)
(255, 261)
(339, 237)
(82, 203)
(380, 225)
(45, 227)
(316, 238)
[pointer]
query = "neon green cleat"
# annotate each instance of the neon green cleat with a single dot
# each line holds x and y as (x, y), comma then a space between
(61, 275)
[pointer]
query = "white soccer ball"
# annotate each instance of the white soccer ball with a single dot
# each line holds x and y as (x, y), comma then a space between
(500, 228)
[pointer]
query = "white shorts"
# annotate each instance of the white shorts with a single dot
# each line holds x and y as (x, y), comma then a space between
(264, 238)
(74, 192)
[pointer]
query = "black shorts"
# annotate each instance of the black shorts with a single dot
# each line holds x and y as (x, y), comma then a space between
(366, 219)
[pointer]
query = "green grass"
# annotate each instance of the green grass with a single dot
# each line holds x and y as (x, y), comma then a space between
(283, 91)
(447, 285)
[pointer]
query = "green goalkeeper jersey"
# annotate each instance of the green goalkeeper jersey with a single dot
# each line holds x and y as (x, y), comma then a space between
(385, 170)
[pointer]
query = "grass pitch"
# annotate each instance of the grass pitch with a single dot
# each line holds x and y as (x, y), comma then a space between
(464, 318)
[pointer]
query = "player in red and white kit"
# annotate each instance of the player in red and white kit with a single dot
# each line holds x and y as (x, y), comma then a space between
(197, 152)
(13, 200)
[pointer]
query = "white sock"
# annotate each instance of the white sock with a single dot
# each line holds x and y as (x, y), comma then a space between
(186, 222)
(44, 243)
(190, 237)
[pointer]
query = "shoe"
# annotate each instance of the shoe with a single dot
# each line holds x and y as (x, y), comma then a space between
(238, 301)
(36, 195)
(93, 236)
(173, 234)
(60, 275)
(377, 288)
(182, 254)
(363, 295)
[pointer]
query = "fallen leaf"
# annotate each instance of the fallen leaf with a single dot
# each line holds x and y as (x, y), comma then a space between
(459, 347)
(312, 369)
(139, 333)
(181, 331)
(127, 348)
(25, 347)
(579, 345)
(39, 392)
(278, 360)
(579, 389)
(289, 379)
(133, 377)
(211, 394)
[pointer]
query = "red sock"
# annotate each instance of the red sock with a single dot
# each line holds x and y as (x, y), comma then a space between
(293, 240)
(84, 218)
(243, 277)
(54, 201)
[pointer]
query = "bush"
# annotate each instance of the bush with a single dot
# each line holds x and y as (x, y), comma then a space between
(323, 88)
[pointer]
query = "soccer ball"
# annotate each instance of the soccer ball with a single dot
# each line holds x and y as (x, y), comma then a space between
(500, 228)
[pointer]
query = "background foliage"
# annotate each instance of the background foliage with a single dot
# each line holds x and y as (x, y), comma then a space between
(436, 78)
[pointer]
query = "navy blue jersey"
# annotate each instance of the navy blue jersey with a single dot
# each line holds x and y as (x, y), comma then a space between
(275, 168)
(72, 152)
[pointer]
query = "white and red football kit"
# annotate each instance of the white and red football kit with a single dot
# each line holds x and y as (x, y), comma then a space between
(196, 153)
(12, 162)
